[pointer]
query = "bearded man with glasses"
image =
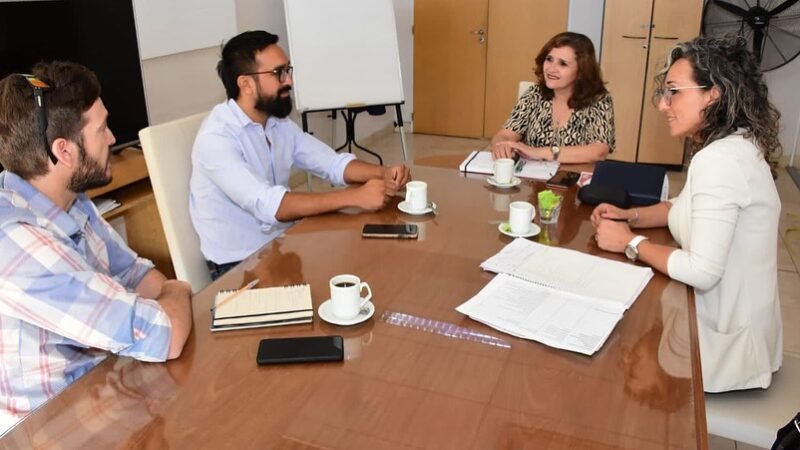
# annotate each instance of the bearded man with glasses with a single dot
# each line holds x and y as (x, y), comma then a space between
(245, 150)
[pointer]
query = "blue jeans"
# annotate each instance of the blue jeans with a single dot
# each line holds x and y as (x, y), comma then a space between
(218, 270)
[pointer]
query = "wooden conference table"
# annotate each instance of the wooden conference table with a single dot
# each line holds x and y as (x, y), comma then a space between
(416, 375)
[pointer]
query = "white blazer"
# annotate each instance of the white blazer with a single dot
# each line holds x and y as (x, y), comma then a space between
(726, 221)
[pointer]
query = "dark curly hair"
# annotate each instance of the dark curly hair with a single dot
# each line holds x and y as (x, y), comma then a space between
(589, 84)
(727, 64)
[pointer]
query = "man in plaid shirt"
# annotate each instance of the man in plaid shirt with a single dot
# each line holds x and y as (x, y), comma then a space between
(70, 289)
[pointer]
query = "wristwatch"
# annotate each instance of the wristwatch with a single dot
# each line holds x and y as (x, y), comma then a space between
(632, 249)
(556, 151)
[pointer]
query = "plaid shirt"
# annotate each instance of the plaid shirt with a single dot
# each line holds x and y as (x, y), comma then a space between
(66, 282)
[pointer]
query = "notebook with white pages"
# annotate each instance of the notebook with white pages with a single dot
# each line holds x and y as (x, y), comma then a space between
(265, 307)
(562, 298)
(482, 162)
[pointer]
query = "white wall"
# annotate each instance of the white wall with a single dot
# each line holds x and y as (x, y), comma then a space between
(586, 17)
(186, 83)
(783, 90)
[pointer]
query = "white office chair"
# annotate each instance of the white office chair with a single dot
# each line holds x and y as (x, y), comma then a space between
(168, 152)
(523, 86)
(755, 415)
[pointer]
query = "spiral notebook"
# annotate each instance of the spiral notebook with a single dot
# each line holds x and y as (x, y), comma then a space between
(265, 307)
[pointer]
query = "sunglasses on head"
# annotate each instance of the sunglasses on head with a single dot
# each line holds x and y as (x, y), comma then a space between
(39, 88)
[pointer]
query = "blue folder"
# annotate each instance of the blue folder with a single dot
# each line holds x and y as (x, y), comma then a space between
(643, 182)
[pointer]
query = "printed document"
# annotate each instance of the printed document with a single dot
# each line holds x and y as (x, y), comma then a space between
(559, 297)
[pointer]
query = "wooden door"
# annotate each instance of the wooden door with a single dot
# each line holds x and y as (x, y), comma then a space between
(626, 32)
(517, 31)
(673, 21)
(449, 66)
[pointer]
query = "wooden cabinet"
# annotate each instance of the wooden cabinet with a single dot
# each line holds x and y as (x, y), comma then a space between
(469, 57)
(636, 38)
(130, 186)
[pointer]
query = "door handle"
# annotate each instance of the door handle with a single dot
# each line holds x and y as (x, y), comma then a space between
(633, 37)
(481, 33)
(668, 38)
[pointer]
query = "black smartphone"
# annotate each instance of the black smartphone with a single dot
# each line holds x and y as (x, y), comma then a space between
(300, 349)
(563, 179)
(399, 231)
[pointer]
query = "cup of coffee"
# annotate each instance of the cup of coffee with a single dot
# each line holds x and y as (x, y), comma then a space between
(520, 216)
(417, 195)
(503, 170)
(346, 296)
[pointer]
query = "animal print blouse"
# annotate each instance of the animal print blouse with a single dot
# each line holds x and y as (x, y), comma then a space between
(533, 119)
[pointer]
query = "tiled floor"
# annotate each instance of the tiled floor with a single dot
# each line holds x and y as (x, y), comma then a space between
(387, 144)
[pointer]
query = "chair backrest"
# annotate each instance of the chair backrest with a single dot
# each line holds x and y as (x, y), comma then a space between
(523, 86)
(755, 415)
(168, 153)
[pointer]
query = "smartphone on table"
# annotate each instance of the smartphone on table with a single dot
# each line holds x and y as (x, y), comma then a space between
(396, 231)
(300, 349)
(563, 179)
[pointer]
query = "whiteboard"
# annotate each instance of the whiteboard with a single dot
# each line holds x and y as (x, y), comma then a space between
(175, 26)
(344, 53)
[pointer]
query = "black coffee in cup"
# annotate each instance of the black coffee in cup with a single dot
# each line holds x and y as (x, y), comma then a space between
(344, 284)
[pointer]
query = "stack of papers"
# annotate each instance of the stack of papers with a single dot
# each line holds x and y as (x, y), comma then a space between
(105, 205)
(559, 297)
(481, 162)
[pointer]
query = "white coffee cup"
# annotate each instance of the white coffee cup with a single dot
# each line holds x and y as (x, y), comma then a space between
(503, 170)
(520, 216)
(346, 296)
(417, 195)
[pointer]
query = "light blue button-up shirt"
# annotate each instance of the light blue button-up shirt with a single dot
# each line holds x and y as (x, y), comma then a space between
(240, 175)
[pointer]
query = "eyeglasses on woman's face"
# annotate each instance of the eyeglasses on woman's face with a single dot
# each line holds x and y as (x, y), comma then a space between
(666, 93)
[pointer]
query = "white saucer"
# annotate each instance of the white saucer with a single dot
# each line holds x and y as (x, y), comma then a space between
(403, 206)
(326, 313)
(514, 182)
(505, 228)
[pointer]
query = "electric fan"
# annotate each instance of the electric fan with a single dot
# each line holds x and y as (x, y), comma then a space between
(772, 27)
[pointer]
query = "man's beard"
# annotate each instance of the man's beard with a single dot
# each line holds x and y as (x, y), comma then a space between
(275, 106)
(89, 174)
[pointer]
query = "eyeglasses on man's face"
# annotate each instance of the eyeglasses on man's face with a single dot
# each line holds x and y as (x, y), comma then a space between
(281, 73)
(666, 93)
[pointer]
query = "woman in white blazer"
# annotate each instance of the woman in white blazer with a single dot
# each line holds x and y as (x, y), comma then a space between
(725, 219)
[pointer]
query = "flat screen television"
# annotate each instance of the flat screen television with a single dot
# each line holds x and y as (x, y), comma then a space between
(100, 34)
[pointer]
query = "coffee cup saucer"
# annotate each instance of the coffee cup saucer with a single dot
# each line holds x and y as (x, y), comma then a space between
(326, 313)
(505, 228)
(406, 208)
(514, 182)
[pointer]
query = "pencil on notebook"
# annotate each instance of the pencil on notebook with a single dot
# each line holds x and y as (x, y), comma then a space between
(237, 292)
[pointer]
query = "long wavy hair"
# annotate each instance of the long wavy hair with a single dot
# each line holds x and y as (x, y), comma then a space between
(589, 84)
(744, 99)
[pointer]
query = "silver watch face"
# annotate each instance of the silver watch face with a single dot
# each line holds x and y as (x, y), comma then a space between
(631, 252)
